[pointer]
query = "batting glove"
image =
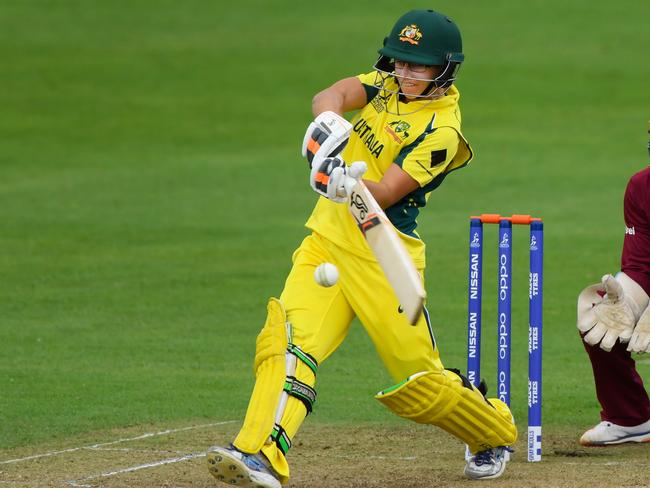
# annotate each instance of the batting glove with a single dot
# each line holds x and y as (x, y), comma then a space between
(326, 137)
(334, 180)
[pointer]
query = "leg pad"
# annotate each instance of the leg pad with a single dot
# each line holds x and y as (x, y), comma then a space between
(440, 398)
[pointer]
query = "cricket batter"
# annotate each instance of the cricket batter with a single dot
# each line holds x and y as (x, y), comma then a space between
(407, 138)
(614, 320)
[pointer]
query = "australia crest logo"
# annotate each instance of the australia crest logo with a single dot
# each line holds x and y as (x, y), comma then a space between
(401, 126)
(411, 34)
(398, 130)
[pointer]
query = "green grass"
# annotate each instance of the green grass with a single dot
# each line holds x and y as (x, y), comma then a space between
(152, 192)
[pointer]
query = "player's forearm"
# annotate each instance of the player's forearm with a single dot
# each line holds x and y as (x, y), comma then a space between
(328, 99)
(343, 96)
(382, 193)
(395, 185)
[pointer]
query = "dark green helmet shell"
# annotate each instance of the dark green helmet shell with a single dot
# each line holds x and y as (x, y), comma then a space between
(424, 37)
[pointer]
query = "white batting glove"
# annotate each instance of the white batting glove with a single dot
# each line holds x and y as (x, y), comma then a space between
(355, 172)
(326, 137)
(614, 317)
(640, 341)
(331, 177)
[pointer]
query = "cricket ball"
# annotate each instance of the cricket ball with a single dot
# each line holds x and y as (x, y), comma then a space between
(326, 274)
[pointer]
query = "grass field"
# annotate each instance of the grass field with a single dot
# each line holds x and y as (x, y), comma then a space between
(152, 191)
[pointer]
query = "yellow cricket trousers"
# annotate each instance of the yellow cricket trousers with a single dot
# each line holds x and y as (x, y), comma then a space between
(321, 317)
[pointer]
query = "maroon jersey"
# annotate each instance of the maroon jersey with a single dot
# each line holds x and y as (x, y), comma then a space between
(635, 261)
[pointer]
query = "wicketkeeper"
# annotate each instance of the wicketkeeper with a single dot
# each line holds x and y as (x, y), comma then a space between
(614, 321)
(407, 137)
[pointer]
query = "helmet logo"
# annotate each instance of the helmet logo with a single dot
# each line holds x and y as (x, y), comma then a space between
(410, 34)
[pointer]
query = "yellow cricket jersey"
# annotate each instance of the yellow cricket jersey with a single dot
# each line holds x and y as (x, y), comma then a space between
(425, 141)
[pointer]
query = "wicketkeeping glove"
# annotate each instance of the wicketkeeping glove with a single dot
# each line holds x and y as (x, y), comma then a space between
(640, 341)
(615, 316)
(332, 178)
(326, 137)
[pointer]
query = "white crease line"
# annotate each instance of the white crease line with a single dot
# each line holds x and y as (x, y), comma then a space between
(128, 449)
(405, 458)
(108, 474)
(95, 446)
(607, 463)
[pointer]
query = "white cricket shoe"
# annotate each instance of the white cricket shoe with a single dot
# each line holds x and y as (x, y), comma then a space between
(607, 433)
(487, 464)
(236, 468)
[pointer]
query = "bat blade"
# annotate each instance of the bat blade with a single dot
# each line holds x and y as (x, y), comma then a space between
(389, 250)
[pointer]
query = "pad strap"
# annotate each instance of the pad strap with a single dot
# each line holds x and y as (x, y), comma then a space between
(281, 439)
(466, 383)
(306, 358)
(303, 392)
(482, 387)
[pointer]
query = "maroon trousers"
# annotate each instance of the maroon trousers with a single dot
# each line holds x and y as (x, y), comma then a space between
(619, 387)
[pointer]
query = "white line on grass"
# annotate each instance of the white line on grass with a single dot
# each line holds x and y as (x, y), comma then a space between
(80, 482)
(128, 449)
(606, 463)
(95, 446)
(392, 458)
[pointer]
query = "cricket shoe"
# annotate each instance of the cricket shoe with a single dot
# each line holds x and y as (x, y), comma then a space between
(237, 468)
(607, 433)
(487, 464)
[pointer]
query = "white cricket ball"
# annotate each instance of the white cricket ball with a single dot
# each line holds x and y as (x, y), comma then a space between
(326, 274)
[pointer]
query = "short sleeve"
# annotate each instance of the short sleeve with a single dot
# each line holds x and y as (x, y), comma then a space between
(369, 82)
(635, 257)
(368, 78)
(429, 155)
(635, 203)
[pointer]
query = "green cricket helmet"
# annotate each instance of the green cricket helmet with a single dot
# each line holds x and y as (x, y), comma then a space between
(424, 37)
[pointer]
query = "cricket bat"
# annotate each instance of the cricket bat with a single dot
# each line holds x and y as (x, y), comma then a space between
(389, 250)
